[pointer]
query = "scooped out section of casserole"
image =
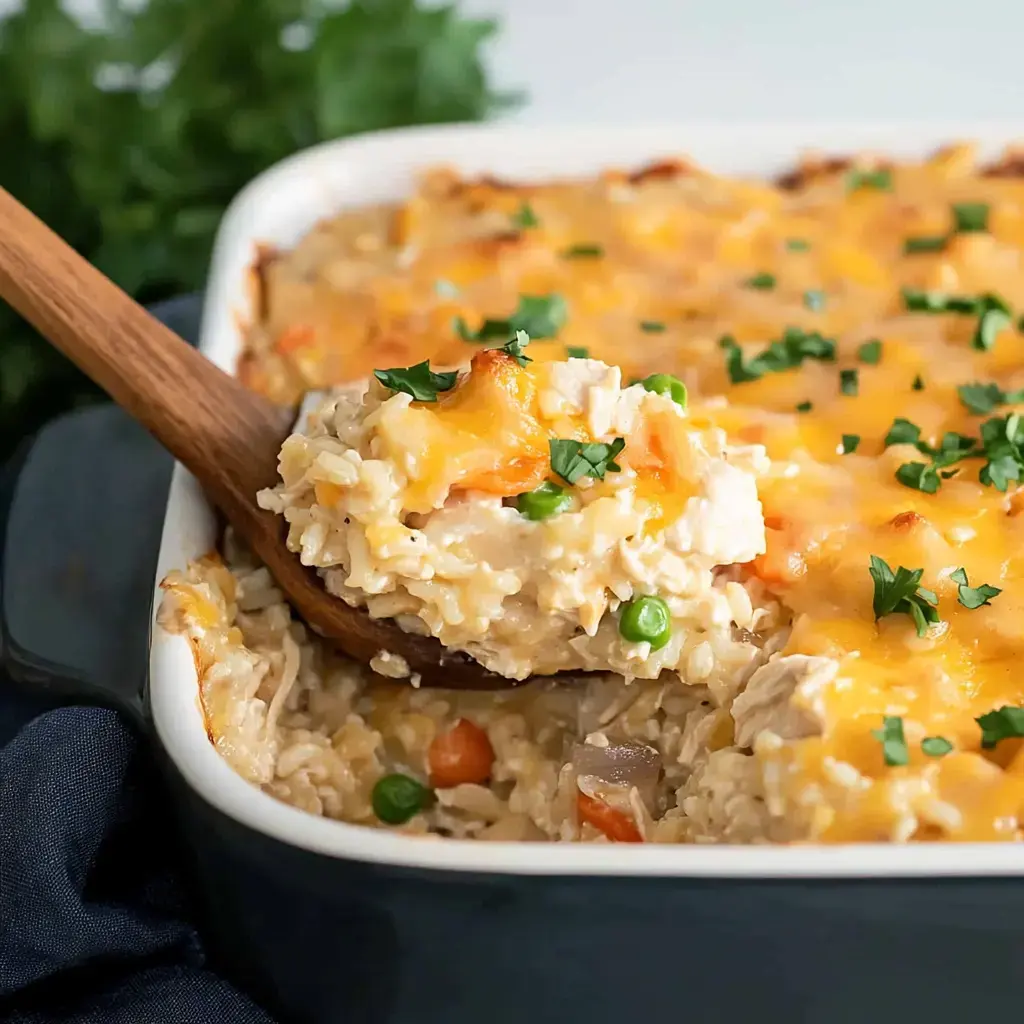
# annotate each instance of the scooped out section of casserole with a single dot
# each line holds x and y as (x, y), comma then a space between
(860, 321)
(537, 516)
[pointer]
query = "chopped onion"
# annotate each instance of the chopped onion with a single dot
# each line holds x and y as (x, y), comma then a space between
(623, 763)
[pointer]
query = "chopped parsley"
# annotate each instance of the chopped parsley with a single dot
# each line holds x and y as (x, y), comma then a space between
(417, 381)
(786, 353)
(902, 432)
(994, 317)
(577, 352)
(763, 282)
(652, 326)
(524, 217)
(850, 443)
(972, 597)
(925, 476)
(970, 216)
(917, 384)
(514, 348)
(445, 289)
(814, 300)
(900, 593)
(540, 316)
(870, 352)
(992, 312)
(1002, 724)
(983, 398)
(924, 243)
(894, 745)
(797, 244)
(1001, 445)
(804, 407)
(849, 382)
(935, 746)
(918, 475)
(583, 251)
(915, 300)
(572, 460)
(879, 179)
(1001, 440)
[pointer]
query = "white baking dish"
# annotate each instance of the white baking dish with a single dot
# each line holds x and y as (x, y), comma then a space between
(278, 208)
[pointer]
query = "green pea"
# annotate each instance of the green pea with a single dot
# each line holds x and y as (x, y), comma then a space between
(666, 384)
(544, 501)
(396, 798)
(647, 619)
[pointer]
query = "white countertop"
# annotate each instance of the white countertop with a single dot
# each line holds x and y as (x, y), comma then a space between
(686, 60)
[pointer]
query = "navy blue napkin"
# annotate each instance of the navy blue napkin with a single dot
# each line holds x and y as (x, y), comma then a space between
(95, 924)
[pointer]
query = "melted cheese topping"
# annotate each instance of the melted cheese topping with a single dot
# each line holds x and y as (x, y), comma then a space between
(678, 246)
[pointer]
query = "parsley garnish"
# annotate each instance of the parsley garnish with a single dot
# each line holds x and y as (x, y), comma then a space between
(1001, 439)
(524, 217)
(902, 432)
(804, 407)
(1002, 724)
(917, 301)
(797, 244)
(577, 352)
(935, 746)
(972, 597)
(970, 216)
(879, 179)
(992, 312)
(900, 593)
(983, 398)
(850, 443)
(652, 326)
(849, 381)
(417, 381)
(540, 316)
(572, 460)
(514, 348)
(924, 243)
(1001, 445)
(870, 352)
(922, 476)
(919, 476)
(894, 745)
(583, 251)
(788, 352)
(814, 300)
(763, 282)
(994, 317)
(917, 384)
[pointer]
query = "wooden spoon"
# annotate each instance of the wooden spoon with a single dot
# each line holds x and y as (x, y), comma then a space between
(227, 436)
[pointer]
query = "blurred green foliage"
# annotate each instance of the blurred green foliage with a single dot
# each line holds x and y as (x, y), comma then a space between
(130, 135)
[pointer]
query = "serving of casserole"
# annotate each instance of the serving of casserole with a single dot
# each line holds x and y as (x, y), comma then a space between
(842, 336)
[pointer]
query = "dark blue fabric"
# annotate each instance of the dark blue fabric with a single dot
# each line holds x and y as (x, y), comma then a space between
(95, 927)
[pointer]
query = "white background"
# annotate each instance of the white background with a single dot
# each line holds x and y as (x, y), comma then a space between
(662, 60)
(692, 60)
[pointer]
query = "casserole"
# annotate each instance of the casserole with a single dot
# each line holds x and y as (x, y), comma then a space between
(314, 912)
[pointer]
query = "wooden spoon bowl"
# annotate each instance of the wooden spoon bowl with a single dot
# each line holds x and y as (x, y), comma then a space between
(227, 436)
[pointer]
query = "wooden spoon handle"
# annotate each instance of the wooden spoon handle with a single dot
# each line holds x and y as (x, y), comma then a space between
(206, 418)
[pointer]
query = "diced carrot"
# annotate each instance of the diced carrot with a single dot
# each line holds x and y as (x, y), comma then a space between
(618, 827)
(462, 754)
(293, 338)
